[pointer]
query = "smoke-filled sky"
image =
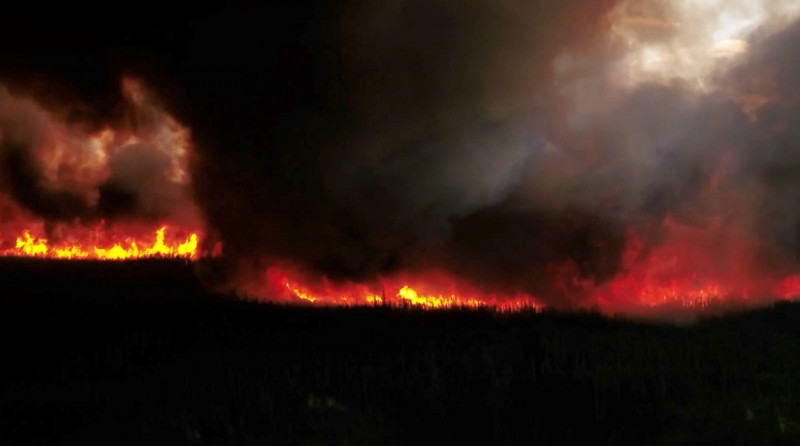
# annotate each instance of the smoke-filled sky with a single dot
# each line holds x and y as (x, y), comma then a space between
(523, 146)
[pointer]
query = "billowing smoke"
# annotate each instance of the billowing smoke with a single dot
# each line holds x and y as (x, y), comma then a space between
(409, 118)
(562, 150)
(66, 172)
(578, 151)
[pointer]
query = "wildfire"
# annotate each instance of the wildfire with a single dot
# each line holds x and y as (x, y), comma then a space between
(665, 277)
(620, 295)
(29, 246)
(432, 301)
(393, 293)
(300, 294)
(409, 297)
(135, 165)
(692, 268)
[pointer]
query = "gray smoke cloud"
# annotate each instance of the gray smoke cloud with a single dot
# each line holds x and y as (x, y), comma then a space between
(59, 169)
(431, 113)
(514, 144)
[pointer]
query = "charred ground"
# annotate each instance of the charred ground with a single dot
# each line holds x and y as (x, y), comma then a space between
(135, 352)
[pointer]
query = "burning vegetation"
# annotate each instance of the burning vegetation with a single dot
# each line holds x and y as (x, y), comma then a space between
(531, 166)
(29, 246)
(622, 155)
(100, 191)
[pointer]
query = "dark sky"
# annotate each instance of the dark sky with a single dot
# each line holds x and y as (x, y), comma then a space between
(489, 139)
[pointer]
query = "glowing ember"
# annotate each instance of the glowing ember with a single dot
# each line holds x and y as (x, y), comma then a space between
(30, 246)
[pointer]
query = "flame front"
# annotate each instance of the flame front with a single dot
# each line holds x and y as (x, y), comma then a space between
(409, 295)
(691, 268)
(29, 246)
(402, 292)
(96, 190)
(406, 296)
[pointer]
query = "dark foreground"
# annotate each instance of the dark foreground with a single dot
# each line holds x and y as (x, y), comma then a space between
(135, 353)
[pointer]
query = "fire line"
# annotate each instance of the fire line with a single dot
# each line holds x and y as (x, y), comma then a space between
(28, 245)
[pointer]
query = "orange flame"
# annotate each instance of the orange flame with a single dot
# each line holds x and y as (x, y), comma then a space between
(30, 246)
(432, 301)
(403, 295)
(407, 296)
(698, 269)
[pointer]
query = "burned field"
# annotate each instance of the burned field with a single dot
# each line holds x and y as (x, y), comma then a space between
(135, 352)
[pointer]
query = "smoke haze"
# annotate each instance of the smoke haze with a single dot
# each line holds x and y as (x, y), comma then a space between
(559, 149)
